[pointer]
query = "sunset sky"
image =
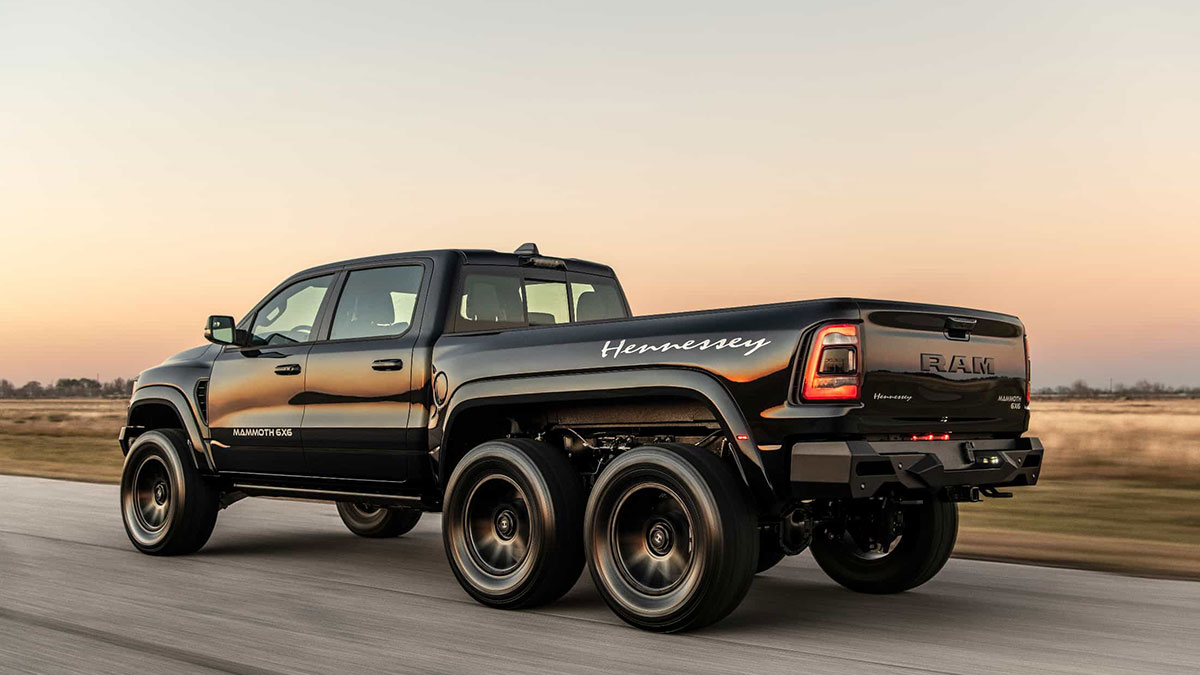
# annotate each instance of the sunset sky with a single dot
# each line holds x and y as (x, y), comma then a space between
(163, 161)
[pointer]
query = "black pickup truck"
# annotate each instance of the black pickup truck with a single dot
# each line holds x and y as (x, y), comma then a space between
(677, 454)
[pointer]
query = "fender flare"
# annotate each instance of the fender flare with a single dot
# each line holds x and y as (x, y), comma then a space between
(613, 384)
(172, 396)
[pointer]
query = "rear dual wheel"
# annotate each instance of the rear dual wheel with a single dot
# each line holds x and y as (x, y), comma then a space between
(511, 523)
(671, 541)
(924, 542)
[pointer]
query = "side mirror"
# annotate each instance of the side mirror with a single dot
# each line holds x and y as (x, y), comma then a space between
(221, 330)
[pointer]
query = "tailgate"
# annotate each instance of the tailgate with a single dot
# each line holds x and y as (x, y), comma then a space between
(942, 370)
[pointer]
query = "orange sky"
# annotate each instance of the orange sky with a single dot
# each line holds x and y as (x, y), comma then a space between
(160, 163)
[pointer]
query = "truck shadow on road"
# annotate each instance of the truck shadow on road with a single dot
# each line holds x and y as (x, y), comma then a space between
(792, 596)
(281, 544)
(782, 601)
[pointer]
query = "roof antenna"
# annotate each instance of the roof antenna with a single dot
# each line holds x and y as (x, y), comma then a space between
(527, 249)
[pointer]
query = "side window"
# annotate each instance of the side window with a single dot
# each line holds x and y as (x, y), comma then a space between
(288, 318)
(490, 301)
(595, 299)
(546, 302)
(377, 302)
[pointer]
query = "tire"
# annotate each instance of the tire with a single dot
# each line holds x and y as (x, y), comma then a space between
(377, 522)
(925, 544)
(645, 505)
(167, 507)
(512, 523)
(770, 553)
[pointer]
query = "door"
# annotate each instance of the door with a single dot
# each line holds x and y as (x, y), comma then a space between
(254, 394)
(359, 387)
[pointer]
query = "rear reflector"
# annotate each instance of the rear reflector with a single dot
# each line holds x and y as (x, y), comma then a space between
(931, 437)
(833, 367)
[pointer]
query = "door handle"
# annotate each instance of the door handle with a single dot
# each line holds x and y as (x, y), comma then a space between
(288, 369)
(387, 364)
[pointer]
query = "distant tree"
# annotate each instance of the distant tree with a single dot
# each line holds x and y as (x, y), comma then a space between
(68, 387)
(118, 387)
(31, 389)
(1140, 389)
(1080, 388)
(1145, 387)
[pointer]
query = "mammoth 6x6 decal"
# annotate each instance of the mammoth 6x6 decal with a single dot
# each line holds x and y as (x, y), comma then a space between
(263, 432)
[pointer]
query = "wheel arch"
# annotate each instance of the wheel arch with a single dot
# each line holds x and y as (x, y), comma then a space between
(453, 420)
(162, 406)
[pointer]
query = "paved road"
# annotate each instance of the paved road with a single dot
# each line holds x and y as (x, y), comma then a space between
(282, 587)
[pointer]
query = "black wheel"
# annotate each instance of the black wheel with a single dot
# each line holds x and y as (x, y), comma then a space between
(377, 522)
(511, 523)
(168, 508)
(671, 541)
(925, 536)
(770, 551)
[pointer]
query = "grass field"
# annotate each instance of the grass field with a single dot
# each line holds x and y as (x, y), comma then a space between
(1120, 485)
(62, 438)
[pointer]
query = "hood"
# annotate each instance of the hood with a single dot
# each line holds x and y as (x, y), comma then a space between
(202, 354)
(183, 369)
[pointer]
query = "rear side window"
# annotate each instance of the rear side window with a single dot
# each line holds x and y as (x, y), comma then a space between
(595, 299)
(547, 302)
(498, 300)
(490, 301)
(377, 302)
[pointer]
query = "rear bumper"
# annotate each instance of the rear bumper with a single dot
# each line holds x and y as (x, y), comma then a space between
(864, 468)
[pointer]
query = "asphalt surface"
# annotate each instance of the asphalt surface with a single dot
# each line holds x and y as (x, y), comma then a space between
(282, 587)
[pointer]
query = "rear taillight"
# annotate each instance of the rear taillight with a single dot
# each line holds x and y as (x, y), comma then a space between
(833, 368)
(1028, 371)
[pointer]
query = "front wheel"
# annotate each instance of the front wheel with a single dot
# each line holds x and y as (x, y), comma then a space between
(917, 543)
(167, 507)
(377, 522)
(672, 543)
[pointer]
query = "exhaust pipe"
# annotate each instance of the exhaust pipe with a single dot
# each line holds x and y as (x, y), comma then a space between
(796, 530)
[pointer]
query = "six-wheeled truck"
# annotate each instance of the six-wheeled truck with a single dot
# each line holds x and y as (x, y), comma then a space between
(675, 455)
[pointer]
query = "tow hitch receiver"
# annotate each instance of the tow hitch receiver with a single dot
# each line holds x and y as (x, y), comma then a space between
(963, 493)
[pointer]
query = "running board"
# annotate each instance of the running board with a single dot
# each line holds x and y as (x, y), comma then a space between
(256, 490)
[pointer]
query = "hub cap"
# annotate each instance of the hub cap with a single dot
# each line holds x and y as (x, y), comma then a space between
(659, 538)
(496, 519)
(651, 537)
(506, 524)
(152, 494)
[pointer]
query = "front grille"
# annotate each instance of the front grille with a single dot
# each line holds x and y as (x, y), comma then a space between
(202, 400)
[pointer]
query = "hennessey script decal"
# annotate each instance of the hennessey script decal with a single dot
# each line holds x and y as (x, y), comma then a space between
(263, 432)
(624, 347)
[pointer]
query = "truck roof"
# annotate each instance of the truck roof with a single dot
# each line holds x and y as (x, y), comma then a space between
(472, 257)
